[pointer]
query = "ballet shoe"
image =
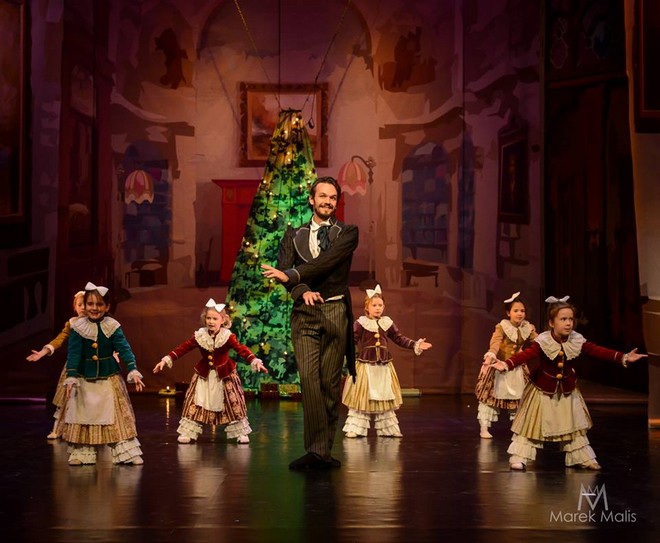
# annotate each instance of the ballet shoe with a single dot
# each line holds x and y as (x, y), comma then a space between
(183, 439)
(517, 466)
(242, 439)
(351, 435)
(591, 465)
(52, 435)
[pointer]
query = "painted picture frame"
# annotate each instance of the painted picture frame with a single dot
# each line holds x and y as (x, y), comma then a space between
(584, 42)
(260, 105)
(513, 193)
(13, 118)
(646, 75)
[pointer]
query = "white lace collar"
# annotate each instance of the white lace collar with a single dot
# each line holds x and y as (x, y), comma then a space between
(572, 347)
(512, 332)
(373, 324)
(210, 343)
(89, 329)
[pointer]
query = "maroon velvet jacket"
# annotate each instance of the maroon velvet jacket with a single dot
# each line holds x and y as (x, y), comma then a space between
(217, 358)
(373, 346)
(557, 375)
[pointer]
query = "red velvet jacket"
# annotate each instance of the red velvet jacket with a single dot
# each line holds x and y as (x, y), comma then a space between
(214, 351)
(556, 370)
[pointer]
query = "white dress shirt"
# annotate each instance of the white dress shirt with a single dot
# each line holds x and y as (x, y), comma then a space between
(314, 247)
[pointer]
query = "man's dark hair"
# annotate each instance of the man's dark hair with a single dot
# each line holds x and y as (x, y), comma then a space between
(330, 181)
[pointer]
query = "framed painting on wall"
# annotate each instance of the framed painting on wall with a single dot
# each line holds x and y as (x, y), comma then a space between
(13, 120)
(513, 194)
(647, 77)
(260, 108)
(584, 42)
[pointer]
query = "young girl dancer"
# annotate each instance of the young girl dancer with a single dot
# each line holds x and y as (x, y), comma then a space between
(496, 391)
(99, 411)
(59, 400)
(376, 390)
(552, 408)
(215, 395)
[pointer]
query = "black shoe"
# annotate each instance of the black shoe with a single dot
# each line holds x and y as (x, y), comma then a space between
(309, 461)
(333, 463)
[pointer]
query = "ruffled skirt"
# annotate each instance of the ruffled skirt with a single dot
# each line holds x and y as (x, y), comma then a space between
(234, 408)
(59, 401)
(551, 418)
(485, 389)
(122, 429)
(356, 395)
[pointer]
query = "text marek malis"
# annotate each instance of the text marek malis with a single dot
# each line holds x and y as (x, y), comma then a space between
(593, 516)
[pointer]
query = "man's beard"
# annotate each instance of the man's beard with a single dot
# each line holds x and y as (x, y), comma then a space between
(325, 212)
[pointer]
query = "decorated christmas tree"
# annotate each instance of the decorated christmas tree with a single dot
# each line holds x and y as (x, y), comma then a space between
(260, 308)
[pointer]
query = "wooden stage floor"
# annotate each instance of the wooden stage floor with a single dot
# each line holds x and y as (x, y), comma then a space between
(440, 482)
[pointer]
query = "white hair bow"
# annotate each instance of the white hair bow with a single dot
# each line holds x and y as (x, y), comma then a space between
(513, 297)
(217, 307)
(101, 290)
(553, 300)
(371, 293)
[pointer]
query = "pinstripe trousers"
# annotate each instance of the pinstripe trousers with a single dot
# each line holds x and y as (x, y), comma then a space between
(319, 342)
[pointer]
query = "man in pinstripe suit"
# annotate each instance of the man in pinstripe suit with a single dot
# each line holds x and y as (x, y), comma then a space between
(314, 262)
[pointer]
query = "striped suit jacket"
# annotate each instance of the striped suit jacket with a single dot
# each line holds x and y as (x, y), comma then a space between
(326, 274)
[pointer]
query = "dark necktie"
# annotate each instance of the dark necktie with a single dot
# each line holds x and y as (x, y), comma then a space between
(323, 237)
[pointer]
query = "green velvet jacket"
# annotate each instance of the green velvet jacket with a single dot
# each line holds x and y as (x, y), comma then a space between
(91, 348)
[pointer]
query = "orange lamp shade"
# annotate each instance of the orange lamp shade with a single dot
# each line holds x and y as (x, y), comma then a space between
(139, 187)
(352, 178)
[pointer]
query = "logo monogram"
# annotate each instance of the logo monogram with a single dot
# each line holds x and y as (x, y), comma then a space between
(593, 496)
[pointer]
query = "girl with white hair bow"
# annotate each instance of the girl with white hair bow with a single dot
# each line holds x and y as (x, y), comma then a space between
(498, 391)
(98, 409)
(552, 409)
(376, 391)
(59, 400)
(215, 395)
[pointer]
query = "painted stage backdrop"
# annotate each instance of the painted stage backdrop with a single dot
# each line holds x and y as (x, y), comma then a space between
(435, 104)
(435, 108)
(148, 166)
